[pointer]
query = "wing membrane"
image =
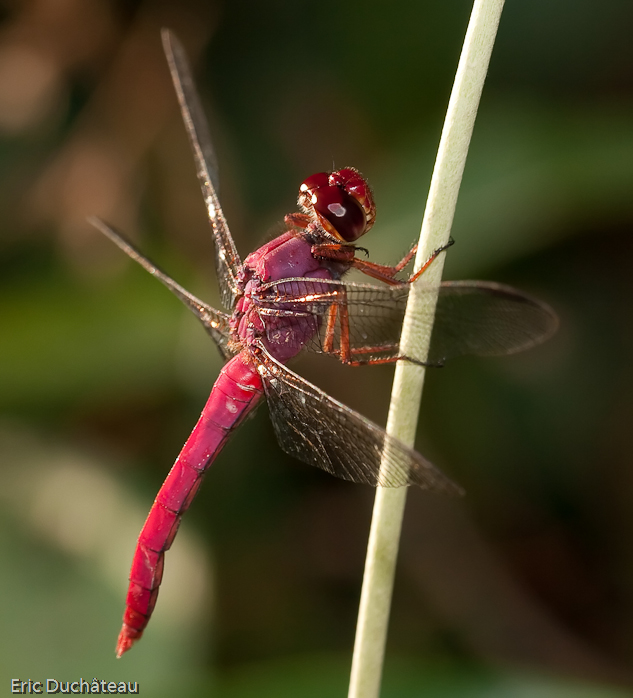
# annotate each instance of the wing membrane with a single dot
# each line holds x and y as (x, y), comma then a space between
(487, 319)
(313, 427)
(227, 258)
(472, 317)
(215, 322)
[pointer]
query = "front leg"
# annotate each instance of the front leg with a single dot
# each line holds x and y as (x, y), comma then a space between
(297, 220)
(388, 274)
(427, 264)
(346, 254)
(382, 272)
(334, 252)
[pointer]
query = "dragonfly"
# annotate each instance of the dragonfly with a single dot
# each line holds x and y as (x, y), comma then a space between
(289, 296)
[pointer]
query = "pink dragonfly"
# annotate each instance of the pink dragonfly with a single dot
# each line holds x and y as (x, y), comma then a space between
(288, 296)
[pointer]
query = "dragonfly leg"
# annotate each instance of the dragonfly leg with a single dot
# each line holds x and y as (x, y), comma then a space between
(383, 360)
(328, 342)
(388, 274)
(346, 353)
(334, 252)
(344, 340)
(426, 264)
(338, 311)
(406, 259)
(297, 220)
(382, 272)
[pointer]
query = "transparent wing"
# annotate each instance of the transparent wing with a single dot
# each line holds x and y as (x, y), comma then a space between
(472, 317)
(313, 427)
(482, 318)
(215, 322)
(227, 259)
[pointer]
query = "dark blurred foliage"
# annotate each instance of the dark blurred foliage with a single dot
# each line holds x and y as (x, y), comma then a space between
(523, 588)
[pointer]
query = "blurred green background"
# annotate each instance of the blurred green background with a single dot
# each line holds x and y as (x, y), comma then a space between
(524, 588)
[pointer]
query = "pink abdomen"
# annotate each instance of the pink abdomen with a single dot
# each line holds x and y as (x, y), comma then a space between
(235, 393)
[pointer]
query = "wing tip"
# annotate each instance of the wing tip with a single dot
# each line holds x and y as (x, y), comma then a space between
(452, 489)
(168, 38)
(438, 483)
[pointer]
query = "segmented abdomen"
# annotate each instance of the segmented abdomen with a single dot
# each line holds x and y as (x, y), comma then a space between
(235, 393)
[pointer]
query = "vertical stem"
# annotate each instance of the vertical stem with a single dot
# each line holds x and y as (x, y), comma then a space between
(373, 616)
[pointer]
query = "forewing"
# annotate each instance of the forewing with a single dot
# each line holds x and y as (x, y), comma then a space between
(227, 258)
(471, 317)
(215, 322)
(313, 427)
(487, 319)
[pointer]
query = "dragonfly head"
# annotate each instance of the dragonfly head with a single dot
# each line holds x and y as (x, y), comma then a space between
(341, 202)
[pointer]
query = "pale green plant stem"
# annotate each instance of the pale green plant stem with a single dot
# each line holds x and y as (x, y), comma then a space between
(384, 537)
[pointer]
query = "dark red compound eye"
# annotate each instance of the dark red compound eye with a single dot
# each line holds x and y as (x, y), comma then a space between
(355, 184)
(314, 182)
(342, 202)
